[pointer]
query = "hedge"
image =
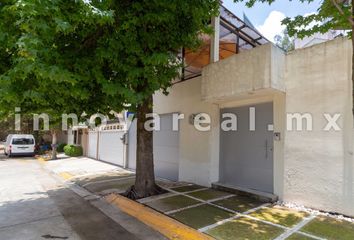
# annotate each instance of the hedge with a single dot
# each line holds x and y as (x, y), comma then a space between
(60, 147)
(73, 151)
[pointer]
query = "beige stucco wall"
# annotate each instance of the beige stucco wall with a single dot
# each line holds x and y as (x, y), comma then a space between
(319, 169)
(199, 151)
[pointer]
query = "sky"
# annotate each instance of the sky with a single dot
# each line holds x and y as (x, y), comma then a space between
(267, 18)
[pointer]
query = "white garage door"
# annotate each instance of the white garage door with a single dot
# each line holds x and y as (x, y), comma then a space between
(111, 147)
(166, 149)
(92, 145)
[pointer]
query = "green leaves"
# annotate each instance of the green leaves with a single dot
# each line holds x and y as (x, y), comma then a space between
(332, 15)
(76, 55)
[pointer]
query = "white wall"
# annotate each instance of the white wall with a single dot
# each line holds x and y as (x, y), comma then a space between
(319, 169)
(243, 74)
(199, 151)
(70, 136)
(314, 168)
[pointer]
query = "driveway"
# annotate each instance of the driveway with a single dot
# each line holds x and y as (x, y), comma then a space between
(34, 204)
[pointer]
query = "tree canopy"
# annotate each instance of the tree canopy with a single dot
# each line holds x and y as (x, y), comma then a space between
(94, 55)
(331, 15)
(92, 51)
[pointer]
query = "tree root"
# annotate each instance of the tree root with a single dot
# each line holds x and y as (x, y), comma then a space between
(133, 194)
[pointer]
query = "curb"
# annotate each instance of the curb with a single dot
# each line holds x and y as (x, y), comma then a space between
(66, 175)
(41, 159)
(167, 226)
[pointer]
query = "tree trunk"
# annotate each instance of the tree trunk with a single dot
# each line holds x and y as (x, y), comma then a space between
(54, 145)
(145, 185)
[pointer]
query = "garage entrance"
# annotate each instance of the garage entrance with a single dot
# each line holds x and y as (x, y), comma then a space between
(246, 157)
(166, 149)
(106, 145)
(111, 147)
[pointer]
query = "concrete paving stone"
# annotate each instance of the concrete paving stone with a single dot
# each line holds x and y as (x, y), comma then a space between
(239, 203)
(155, 197)
(120, 185)
(298, 236)
(168, 184)
(245, 229)
(201, 216)
(172, 203)
(279, 215)
(208, 194)
(102, 177)
(330, 228)
(187, 188)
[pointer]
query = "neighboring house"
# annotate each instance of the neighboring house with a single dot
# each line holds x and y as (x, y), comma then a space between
(317, 38)
(77, 135)
(238, 71)
(105, 142)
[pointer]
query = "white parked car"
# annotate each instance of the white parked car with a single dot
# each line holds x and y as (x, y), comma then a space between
(20, 145)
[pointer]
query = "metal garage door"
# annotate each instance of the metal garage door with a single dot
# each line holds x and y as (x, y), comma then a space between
(92, 144)
(111, 147)
(246, 157)
(166, 149)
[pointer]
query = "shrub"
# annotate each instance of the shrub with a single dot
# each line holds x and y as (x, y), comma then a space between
(60, 147)
(73, 151)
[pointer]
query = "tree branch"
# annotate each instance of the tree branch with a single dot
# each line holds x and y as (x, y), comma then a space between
(335, 3)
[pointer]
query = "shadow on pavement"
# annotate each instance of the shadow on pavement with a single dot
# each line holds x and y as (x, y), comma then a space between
(56, 214)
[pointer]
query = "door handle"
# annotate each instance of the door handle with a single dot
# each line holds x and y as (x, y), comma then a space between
(266, 149)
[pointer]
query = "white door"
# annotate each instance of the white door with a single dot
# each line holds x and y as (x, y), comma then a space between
(111, 147)
(92, 145)
(166, 149)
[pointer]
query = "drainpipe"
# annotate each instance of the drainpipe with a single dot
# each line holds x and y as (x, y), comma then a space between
(215, 40)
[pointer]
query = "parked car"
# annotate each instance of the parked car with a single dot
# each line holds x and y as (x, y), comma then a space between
(20, 145)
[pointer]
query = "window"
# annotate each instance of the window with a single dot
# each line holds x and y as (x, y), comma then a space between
(22, 141)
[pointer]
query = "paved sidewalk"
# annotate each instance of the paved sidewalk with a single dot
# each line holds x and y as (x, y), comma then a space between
(76, 172)
(219, 214)
(70, 167)
(35, 204)
(227, 216)
(26, 210)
